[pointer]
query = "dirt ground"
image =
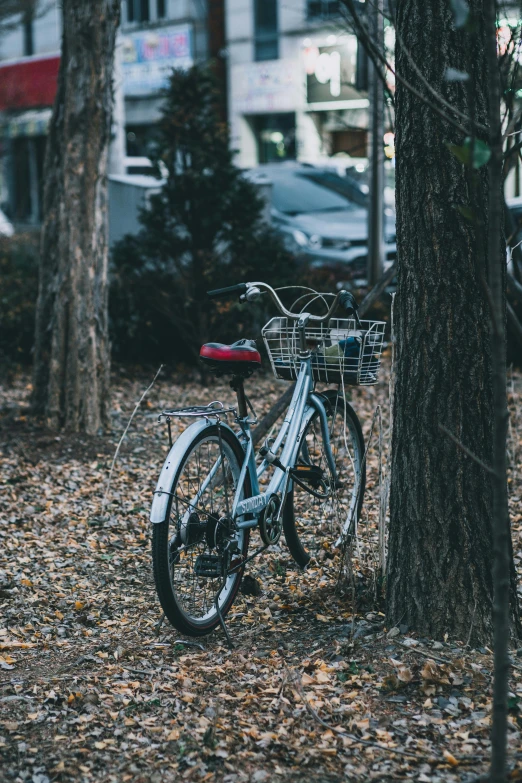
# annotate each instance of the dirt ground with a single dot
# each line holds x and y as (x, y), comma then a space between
(317, 687)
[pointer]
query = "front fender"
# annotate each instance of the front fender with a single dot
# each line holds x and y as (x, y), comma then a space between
(170, 467)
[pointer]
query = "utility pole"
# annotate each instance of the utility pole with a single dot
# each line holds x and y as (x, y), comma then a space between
(217, 47)
(376, 183)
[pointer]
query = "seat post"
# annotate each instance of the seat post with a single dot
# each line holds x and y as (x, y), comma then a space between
(237, 384)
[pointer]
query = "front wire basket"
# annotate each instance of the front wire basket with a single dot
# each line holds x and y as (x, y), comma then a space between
(341, 351)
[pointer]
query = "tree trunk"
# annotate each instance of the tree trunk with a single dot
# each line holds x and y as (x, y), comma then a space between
(72, 352)
(440, 545)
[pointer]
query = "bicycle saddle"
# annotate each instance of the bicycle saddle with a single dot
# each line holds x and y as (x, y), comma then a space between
(241, 358)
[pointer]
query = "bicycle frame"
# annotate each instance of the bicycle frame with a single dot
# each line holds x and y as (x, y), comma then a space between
(303, 405)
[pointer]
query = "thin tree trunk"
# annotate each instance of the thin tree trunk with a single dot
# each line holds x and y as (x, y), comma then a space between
(440, 544)
(500, 516)
(72, 352)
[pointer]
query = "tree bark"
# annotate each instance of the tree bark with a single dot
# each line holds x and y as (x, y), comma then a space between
(72, 352)
(440, 545)
(500, 518)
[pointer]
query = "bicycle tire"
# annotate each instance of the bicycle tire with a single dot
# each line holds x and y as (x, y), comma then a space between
(170, 600)
(297, 532)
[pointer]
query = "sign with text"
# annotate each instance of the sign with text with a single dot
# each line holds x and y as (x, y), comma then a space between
(270, 86)
(330, 72)
(148, 57)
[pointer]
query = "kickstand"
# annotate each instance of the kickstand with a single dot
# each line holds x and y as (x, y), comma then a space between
(158, 625)
(221, 620)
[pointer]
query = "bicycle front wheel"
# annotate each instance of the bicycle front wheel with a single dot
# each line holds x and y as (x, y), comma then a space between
(188, 545)
(313, 524)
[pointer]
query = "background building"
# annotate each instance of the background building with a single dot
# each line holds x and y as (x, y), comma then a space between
(293, 76)
(155, 36)
(29, 62)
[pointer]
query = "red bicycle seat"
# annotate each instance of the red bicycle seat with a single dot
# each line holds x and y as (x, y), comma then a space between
(240, 358)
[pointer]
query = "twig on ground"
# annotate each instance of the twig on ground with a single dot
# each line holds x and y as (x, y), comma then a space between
(78, 661)
(293, 678)
(186, 643)
(157, 627)
(471, 625)
(104, 501)
(426, 653)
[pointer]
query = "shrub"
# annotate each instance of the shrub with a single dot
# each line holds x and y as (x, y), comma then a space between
(18, 292)
(203, 230)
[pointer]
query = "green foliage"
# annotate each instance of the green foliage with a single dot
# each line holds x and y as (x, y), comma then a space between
(466, 212)
(481, 152)
(18, 292)
(203, 230)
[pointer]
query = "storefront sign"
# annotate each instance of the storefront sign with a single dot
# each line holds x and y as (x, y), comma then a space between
(330, 72)
(29, 82)
(271, 86)
(28, 123)
(149, 56)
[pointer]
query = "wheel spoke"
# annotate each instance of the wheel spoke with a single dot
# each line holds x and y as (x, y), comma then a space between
(319, 522)
(198, 503)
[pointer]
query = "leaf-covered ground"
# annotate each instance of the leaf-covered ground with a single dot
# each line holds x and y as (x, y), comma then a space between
(317, 689)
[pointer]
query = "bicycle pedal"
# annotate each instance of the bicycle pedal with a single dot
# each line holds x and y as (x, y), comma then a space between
(208, 565)
(313, 474)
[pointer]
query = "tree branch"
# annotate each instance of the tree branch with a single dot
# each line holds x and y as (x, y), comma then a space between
(377, 57)
(426, 83)
(464, 448)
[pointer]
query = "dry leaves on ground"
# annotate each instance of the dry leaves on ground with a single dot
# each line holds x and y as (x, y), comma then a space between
(317, 688)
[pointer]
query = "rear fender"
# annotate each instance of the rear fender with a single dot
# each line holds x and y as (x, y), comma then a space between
(158, 512)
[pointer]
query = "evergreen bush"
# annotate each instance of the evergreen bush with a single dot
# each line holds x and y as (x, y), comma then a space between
(203, 230)
(18, 292)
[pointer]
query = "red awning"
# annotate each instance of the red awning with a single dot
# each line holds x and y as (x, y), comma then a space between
(29, 83)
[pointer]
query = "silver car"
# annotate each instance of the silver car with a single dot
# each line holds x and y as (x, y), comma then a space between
(323, 217)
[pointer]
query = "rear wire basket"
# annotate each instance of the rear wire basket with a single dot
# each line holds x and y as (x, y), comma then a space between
(329, 343)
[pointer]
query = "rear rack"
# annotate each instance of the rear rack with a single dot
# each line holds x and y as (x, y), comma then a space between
(213, 410)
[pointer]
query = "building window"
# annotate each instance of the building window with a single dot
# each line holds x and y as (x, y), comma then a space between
(265, 30)
(144, 11)
(138, 11)
(275, 137)
(323, 9)
(162, 11)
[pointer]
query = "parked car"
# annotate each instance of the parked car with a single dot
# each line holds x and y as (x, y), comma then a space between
(323, 217)
(358, 169)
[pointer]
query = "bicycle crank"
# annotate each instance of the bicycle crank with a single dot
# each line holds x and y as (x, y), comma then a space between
(270, 525)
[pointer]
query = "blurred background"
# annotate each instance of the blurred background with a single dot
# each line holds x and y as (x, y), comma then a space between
(294, 91)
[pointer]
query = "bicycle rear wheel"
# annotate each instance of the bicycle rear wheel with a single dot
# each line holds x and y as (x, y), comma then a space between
(186, 547)
(312, 524)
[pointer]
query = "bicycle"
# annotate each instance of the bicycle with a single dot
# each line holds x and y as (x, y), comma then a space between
(211, 494)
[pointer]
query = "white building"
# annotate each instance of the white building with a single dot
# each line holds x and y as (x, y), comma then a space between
(155, 36)
(292, 72)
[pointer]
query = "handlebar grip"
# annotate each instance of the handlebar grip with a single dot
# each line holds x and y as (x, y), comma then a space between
(240, 288)
(348, 302)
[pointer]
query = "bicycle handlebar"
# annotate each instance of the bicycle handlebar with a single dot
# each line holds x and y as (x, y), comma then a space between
(240, 288)
(344, 298)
